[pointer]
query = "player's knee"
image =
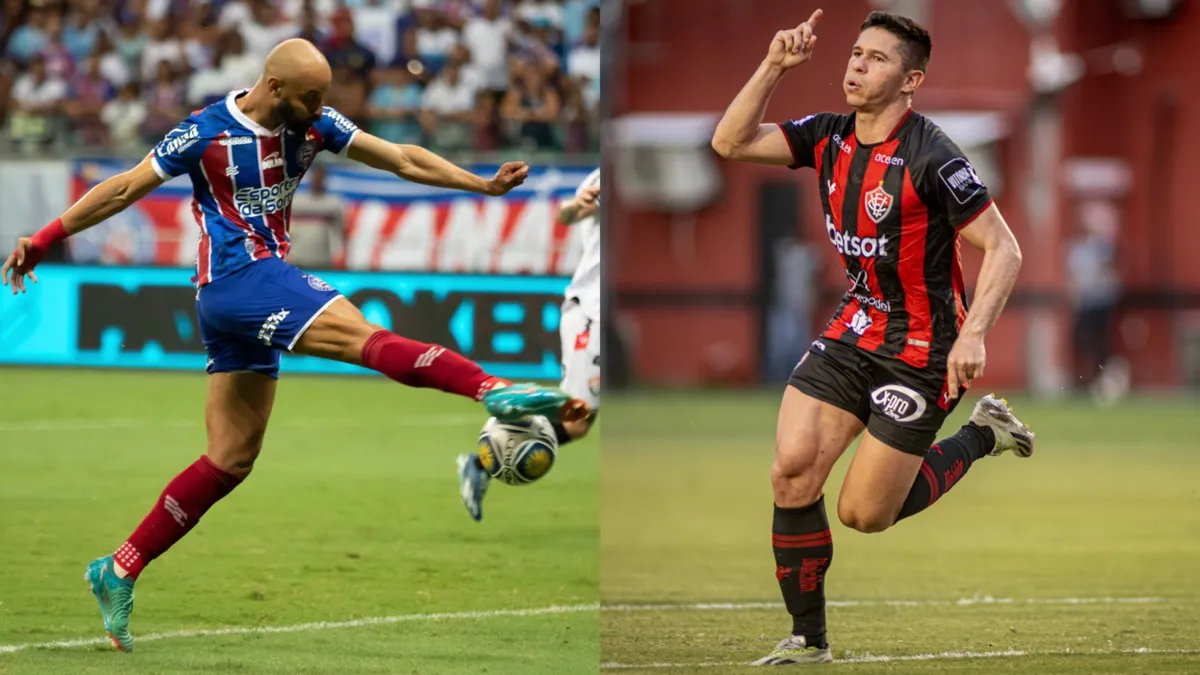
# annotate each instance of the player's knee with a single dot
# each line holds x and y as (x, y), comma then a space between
(233, 463)
(237, 458)
(340, 334)
(353, 339)
(795, 481)
(864, 518)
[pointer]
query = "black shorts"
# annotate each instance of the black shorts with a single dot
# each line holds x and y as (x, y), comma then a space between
(900, 405)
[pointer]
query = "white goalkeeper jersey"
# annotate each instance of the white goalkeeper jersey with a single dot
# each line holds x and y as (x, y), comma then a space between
(585, 285)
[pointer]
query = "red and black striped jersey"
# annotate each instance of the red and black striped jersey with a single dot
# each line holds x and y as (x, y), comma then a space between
(893, 211)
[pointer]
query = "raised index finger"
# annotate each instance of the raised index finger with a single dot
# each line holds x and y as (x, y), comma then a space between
(812, 20)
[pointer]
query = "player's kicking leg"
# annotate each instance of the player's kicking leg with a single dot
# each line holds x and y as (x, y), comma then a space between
(889, 481)
(236, 414)
(342, 333)
(580, 338)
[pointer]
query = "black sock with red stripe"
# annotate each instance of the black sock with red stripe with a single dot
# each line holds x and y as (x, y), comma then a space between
(945, 464)
(803, 551)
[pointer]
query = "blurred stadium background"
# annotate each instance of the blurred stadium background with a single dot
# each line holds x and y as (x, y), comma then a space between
(86, 88)
(1076, 116)
(1079, 116)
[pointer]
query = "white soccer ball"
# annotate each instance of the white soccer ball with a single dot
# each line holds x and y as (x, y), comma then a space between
(518, 453)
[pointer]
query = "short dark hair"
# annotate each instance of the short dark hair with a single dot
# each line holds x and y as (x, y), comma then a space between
(915, 43)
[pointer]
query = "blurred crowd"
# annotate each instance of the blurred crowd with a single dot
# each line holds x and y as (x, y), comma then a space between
(480, 75)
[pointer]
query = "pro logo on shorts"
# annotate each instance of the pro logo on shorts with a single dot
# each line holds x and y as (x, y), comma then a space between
(898, 402)
(315, 283)
(878, 203)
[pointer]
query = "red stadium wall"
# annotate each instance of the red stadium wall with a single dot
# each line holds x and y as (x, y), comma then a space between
(980, 61)
(1147, 120)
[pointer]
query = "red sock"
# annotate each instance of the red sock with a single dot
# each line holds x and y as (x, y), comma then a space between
(178, 509)
(418, 364)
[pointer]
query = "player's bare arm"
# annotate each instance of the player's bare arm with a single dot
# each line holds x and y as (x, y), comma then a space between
(582, 205)
(416, 164)
(741, 134)
(1001, 263)
(102, 202)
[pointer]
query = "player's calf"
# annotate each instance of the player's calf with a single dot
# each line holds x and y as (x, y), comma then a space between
(890, 478)
(992, 430)
(180, 506)
(880, 476)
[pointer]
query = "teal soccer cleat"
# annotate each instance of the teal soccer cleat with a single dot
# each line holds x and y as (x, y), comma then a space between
(115, 597)
(511, 403)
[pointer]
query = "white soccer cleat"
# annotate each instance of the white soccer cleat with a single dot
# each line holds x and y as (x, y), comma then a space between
(794, 651)
(1011, 434)
(473, 484)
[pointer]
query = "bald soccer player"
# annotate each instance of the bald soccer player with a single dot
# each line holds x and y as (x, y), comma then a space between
(245, 156)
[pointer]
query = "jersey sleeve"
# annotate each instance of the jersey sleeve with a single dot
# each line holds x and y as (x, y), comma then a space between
(804, 134)
(593, 178)
(179, 151)
(953, 187)
(336, 131)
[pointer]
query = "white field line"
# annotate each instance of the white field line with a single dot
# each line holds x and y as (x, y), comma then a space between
(557, 609)
(307, 627)
(117, 424)
(961, 602)
(938, 656)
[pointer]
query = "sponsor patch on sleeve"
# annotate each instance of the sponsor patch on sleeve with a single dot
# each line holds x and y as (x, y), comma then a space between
(802, 121)
(960, 178)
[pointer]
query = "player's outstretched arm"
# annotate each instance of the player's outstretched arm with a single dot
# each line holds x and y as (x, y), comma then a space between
(582, 205)
(741, 135)
(1001, 263)
(419, 165)
(104, 201)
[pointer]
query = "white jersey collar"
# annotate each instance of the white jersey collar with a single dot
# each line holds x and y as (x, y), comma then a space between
(258, 129)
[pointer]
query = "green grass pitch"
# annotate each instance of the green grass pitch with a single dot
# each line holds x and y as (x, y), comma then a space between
(1069, 561)
(1107, 509)
(351, 515)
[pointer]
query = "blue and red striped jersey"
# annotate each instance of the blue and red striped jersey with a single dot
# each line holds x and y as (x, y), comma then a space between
(243, 179)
